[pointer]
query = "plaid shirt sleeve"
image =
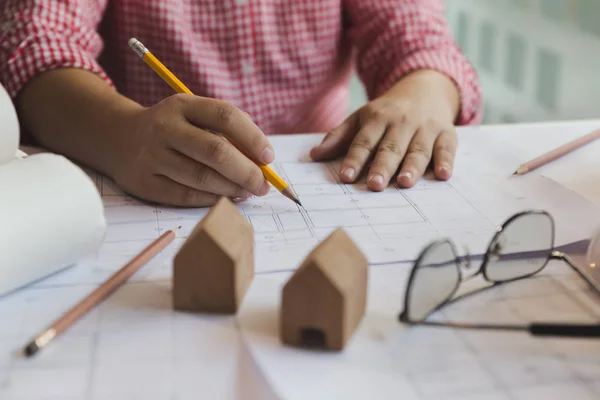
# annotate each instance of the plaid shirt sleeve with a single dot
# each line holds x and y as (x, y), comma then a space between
(37, 36)
(394, 38)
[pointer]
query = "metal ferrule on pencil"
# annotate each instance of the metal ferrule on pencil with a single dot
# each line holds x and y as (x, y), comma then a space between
(138, 47)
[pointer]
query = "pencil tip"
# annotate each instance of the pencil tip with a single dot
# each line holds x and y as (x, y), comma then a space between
(31, 349)
(290, 195)
(516, 172)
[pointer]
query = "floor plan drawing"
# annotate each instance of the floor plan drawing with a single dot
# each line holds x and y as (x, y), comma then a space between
(389, 226)
(134, 345)
(282, 227)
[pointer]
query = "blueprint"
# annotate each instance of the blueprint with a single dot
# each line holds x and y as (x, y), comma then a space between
(135, 346)
(385, 359)
(389, 226)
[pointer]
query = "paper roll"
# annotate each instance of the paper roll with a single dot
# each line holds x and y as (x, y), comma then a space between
(9, 128)
(51, 216)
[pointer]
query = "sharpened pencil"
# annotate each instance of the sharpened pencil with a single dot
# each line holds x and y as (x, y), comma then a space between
(557, 153)
(178, 86)
(100, 293)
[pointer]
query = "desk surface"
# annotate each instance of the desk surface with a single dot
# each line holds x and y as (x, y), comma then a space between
(167, 355)
(579, 170)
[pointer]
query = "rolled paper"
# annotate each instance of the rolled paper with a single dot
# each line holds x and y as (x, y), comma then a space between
(51, 213)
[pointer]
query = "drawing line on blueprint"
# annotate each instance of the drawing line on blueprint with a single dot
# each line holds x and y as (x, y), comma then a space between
(283, 229)
(347, 208)
(345, 189)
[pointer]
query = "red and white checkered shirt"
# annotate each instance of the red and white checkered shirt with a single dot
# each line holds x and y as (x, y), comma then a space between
(285, 62)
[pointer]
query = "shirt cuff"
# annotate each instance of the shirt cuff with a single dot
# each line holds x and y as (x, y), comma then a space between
(31, 58)
(455, 67)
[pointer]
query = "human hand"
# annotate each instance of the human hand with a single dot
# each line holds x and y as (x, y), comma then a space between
(169, 155)
(408, 127)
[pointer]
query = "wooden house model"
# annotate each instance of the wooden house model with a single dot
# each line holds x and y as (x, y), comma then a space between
(215, 266)
(324, 300)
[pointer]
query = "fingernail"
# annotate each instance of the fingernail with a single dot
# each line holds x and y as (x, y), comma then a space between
(376, 178)
(268, 155)
(245, 195)
(444, 170)
(349, 173)
(264, 188)
(407, 175)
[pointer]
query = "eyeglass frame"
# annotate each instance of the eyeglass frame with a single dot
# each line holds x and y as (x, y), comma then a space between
(536, 329)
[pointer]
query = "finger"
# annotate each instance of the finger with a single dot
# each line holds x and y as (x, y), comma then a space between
(362, 147)
(444, 151)
(236, 125)
(417, 157)
(389, 155)
(182, 169)
(170, 193)
(220, 155)
(337, 141)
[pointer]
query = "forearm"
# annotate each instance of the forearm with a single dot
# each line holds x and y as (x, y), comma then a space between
(394, 40)
(75, 113)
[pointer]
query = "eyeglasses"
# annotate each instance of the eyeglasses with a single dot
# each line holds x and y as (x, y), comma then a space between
(522, 247)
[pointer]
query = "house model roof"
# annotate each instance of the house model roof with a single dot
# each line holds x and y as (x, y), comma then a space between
(227, 238)
(335, 259)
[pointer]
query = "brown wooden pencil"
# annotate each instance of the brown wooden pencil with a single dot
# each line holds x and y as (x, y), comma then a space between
(557, 153)
(100, 293)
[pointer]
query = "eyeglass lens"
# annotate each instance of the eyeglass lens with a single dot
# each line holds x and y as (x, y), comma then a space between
(434, 281)
(522, 248)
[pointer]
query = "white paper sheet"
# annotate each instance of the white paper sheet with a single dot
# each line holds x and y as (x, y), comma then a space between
(132, 346)
(135, 346)
(385, 359)
(390, 226)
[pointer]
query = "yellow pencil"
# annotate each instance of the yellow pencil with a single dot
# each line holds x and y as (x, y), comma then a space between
(179, 87)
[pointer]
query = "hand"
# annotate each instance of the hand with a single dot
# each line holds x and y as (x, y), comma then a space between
(408, 127)
(169, 155)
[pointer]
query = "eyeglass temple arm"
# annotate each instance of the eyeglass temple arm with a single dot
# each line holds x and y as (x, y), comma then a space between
(566, 330)
(525, 255)
(536, 329)
(557, 253)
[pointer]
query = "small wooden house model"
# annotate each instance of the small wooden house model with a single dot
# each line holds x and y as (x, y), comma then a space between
(325, 299)
(215, 266)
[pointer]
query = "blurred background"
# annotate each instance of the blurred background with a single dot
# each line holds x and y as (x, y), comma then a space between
(538, 60)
